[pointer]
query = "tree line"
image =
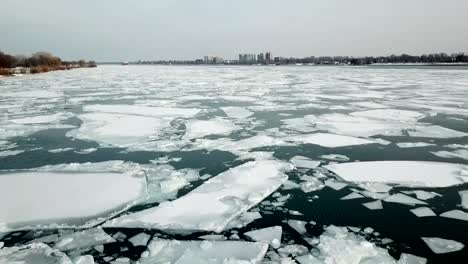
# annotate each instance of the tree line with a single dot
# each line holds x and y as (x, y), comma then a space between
(38, 62)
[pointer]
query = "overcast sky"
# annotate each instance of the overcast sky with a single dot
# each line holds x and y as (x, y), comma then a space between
(121, 30)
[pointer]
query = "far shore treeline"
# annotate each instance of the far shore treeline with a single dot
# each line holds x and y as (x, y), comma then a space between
(37, 63)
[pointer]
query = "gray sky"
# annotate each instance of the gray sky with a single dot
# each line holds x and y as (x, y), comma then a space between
(117, 30)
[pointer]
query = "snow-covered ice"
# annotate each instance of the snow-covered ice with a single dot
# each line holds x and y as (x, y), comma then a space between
(198, 252)
(72, 196)
(298, 225)
(84, 239)
(304, 162)
(329, 140)
(35, 253)
(441, 245)
(435, 131)
(455, 154)
(411, 259)
(211, 206)
(269, 235)
(404, 173)
(140, 239)
(201, 128)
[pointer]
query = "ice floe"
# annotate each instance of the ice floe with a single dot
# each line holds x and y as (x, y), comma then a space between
(404, 173)
(304, 162)
(464, 198)
(455, 154)
(140, 239)
(201, 128)
(190, 252)
(403, 199)
(423, 212)
(435, 131)
(298, 225)
(73, 194)
(351, 196)
(411, 259)
(269, 235)
(237, 112)
(376, 205)
(329, 140)
(414, 144)
(441, 245)
(211, 206)
(456, 214)
(390, 114)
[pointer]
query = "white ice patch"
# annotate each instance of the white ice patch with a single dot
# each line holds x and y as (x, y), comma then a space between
(403, 199)
(376, 205)
(414, 144)
(142, 110)
(118, 129)
(87, 259)
(237, 112)
(456, 154)
(84, 239)
(211, 206)
(269, 235)
(411, 259)
(464, 198)
(201, 128)
(304, 162)
(435, 131)
(404, 173)
(441, 245)
(140, 239)
(73, 194)
(36, 253)
(390, 115)
(337, 245)
(423, 195)
(351, 196)
(298, 225)
(456, 214)
(43, 119)
(329, 140)
(198, 252)
(423, 212)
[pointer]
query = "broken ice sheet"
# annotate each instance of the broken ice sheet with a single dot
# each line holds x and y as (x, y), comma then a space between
(404, 173)
(140, 239)
(441, 245)
(435, 131)
(298, 225)
(269, 235)
(211, 206)
(411, 259)
(237, 112)
(351, 196)
(456, 214)
(455, 154)
(376, 205)
(198, 252)
(74, 193)
(414, 144)
(84, 239)
(403, 199)
(35, 253)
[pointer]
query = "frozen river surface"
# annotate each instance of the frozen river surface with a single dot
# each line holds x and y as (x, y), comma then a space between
(175, 164)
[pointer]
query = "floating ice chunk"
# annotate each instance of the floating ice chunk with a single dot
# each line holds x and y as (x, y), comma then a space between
(308, 259)
(211, 206)
(456, 154)
(403, 199)
(298, 225)
(142, 110)
(441, 245)
(366, 104)
(201, 128)
(43, 119)
(329, 140)
(198, 252)
(423, 212)
(414, 144)
(335, 157)
(375, 187)
(335, 185)
(304, 162)
(84, 239)
(464, 198)
(405, 173)
(72, 195)
(351, 196)
(293, 250)
(87, 259)
(213, 237)
(86, 151)
(2, 244)
(456, 214)
(337, 245)
(237, 112)
(59, 150)
(423, 195)
(269, 235)
(117, 129)
(435, 131)
(140, 239)
(390, 114)
(36, 253)
(411, 259)
(376, 205)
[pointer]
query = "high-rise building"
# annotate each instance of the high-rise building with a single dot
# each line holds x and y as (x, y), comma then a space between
(247, 58)
(260, 58)
(268, 57)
